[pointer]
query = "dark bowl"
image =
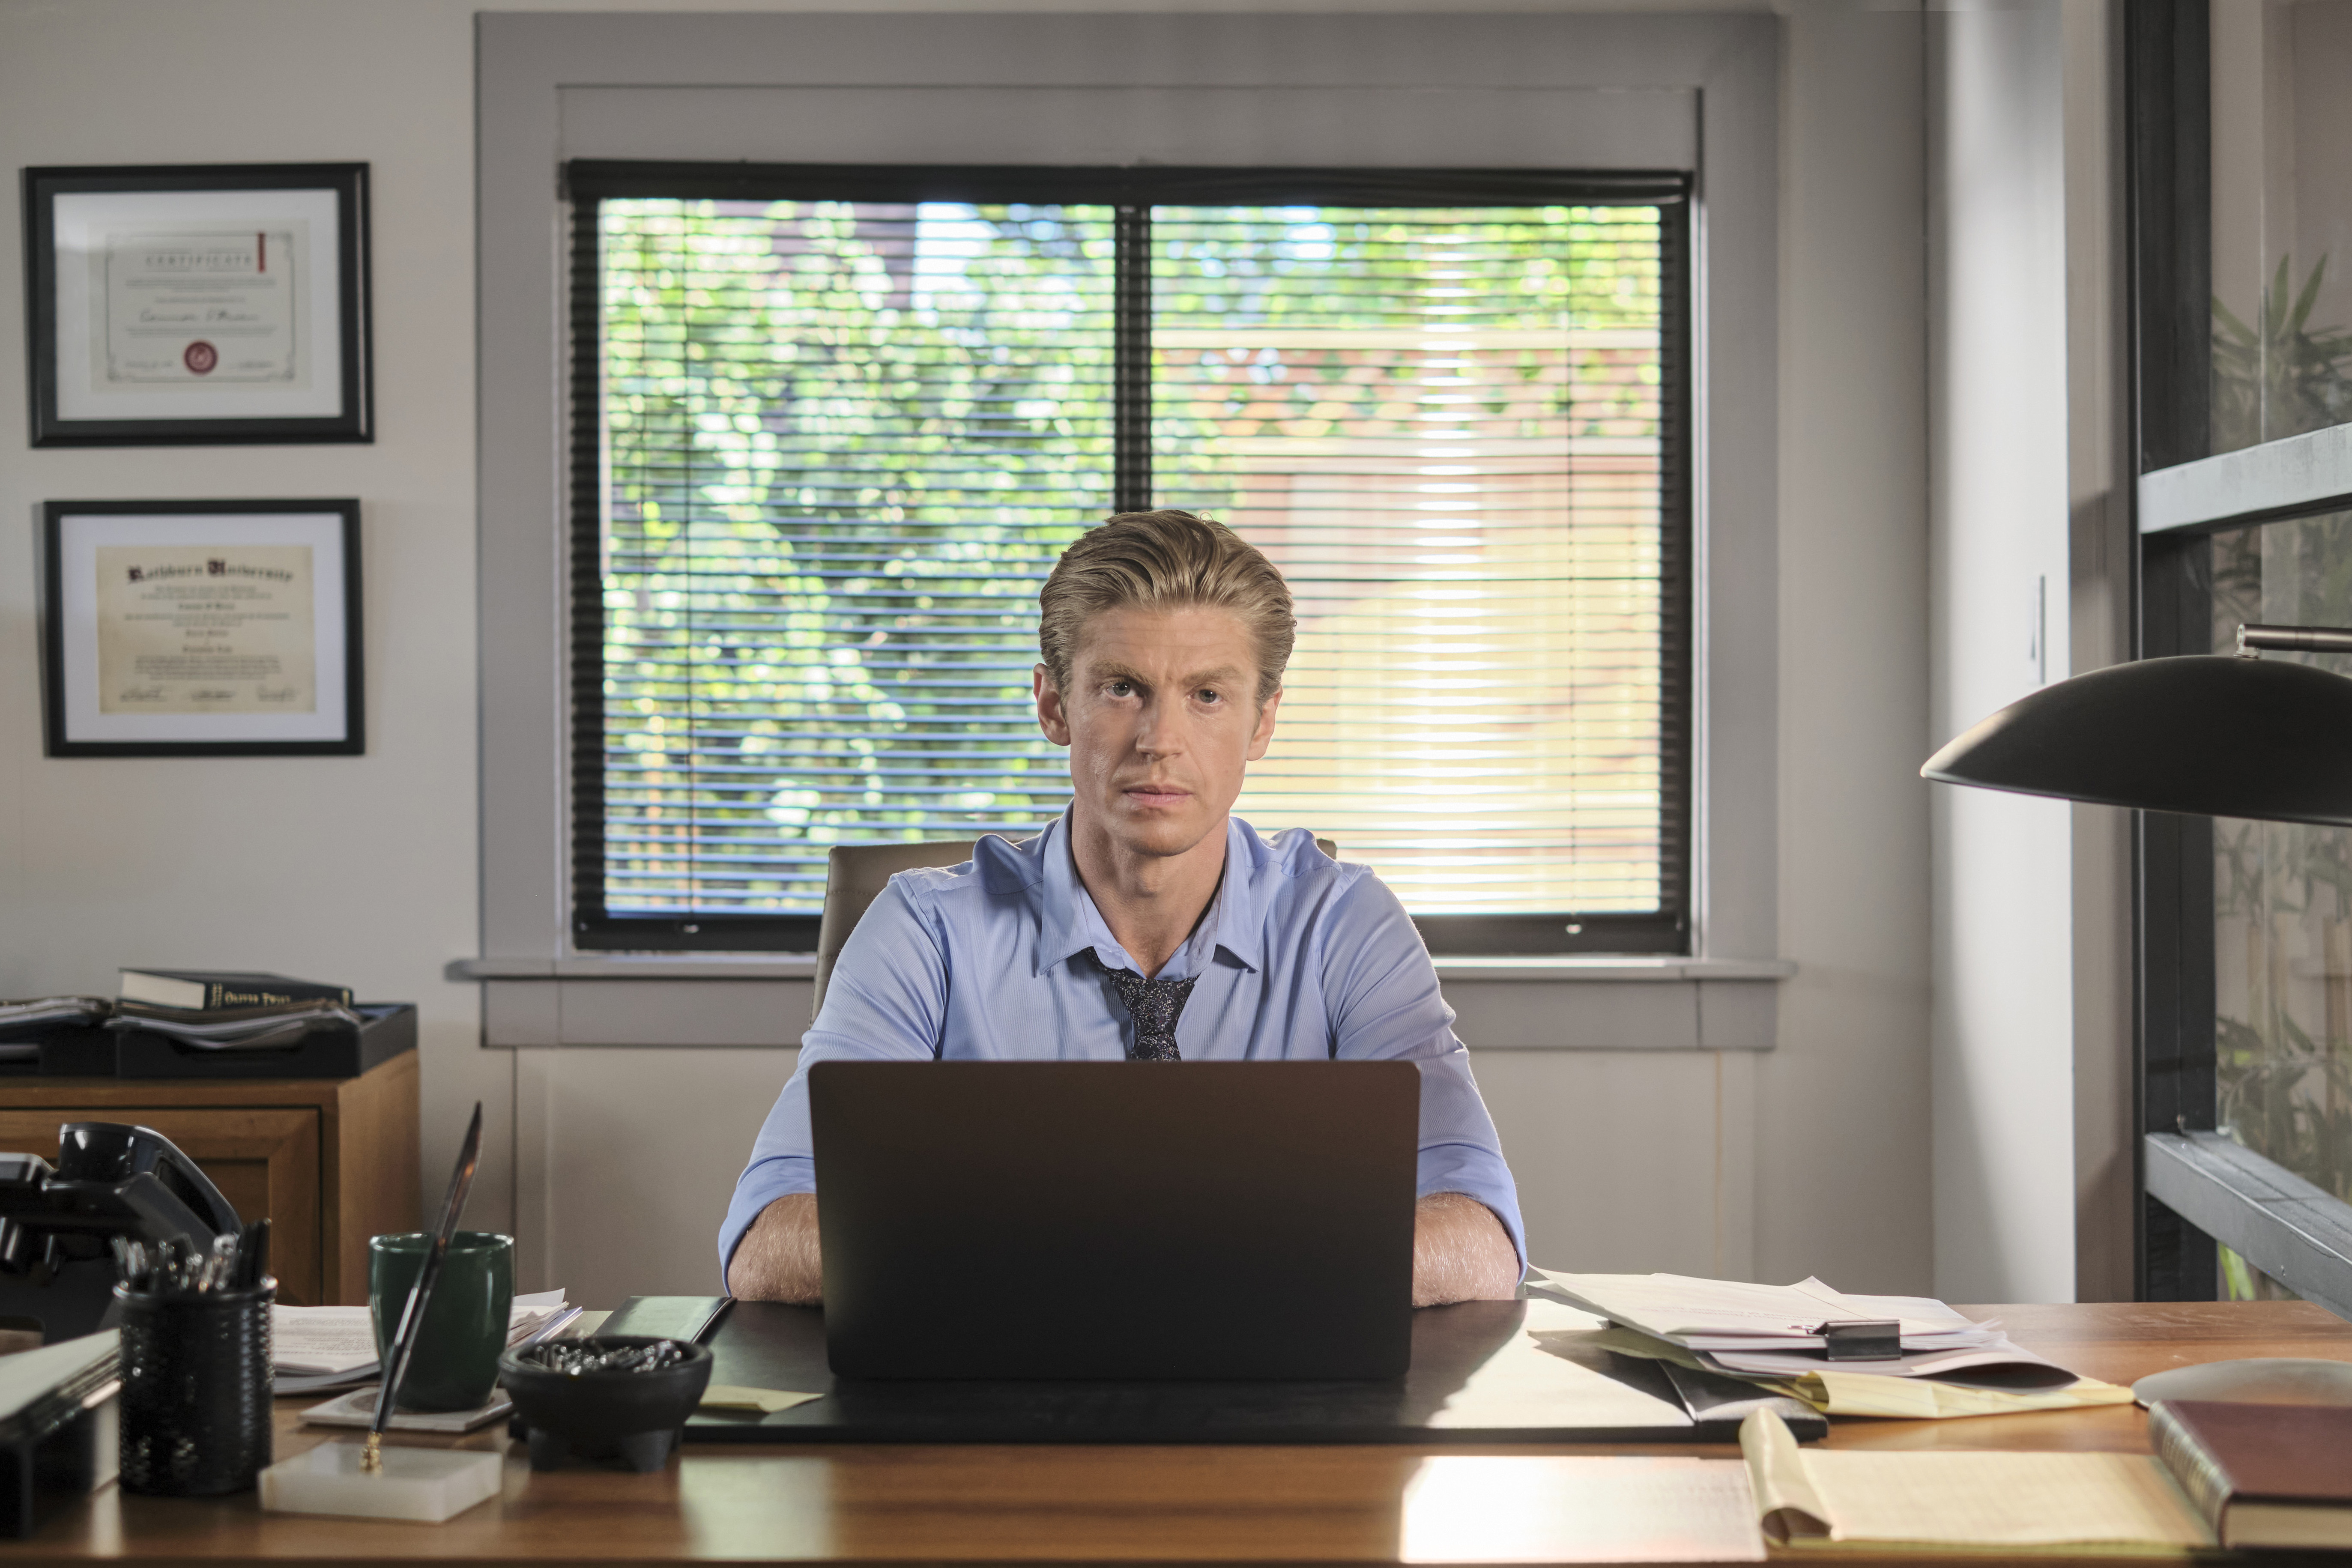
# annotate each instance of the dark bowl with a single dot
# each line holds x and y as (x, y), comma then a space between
(594, 1413)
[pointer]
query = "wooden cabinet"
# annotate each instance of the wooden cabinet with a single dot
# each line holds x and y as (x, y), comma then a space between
(332, 1161)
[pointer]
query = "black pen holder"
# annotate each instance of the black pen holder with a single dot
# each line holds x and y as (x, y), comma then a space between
(197, 1387)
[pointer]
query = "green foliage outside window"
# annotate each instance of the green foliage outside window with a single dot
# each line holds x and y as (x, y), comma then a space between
(844, 443)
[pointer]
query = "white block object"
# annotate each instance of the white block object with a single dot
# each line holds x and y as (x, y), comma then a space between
(427, 1485)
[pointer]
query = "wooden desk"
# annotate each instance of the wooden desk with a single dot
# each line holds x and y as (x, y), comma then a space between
(897, 1505)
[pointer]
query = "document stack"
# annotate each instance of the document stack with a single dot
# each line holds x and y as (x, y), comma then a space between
(319, 1349)
(1842, 1354)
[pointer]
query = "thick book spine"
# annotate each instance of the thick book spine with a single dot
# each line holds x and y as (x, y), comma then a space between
(219, 994)
(2199, 1474)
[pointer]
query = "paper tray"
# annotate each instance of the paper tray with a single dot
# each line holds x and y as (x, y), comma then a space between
(1476, 1378)
(387, 1029)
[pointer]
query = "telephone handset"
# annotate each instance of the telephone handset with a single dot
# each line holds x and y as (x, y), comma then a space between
(57, 1222)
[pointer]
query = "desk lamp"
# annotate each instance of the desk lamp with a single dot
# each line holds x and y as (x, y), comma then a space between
(2226, 737)
(2205, 733)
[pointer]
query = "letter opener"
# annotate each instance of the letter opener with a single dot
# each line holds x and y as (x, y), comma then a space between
(412, 1316)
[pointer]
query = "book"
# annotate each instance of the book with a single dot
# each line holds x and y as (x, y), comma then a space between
(206, 989)
(1961, 1497)
(2261, 1475)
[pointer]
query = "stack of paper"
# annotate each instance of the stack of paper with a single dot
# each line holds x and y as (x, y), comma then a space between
(1732, 1316)
(321, 1347)
(1770, 1335)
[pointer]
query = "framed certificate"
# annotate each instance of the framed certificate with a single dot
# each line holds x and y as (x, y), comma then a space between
(198, 305)
(201, 628)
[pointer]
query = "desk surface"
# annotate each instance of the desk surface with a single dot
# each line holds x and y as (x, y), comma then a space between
(905, 1504)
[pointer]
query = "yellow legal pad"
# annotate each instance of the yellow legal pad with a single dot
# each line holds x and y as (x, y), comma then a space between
(1960, 1498)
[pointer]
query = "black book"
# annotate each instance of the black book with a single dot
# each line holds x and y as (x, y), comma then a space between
(211, 989)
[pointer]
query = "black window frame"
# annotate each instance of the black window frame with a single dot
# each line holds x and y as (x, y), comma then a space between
(2169, 222)
(2195, 1189)
(1133, 192)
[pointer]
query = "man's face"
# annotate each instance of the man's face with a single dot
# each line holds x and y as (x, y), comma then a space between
(1162, 718)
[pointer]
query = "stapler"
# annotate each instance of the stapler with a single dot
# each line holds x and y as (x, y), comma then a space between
(57, 1222)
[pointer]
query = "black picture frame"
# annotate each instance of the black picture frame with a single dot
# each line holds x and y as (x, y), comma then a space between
(57, 725)
(353, 420)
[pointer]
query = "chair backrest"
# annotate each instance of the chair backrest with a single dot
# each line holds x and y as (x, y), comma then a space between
(855, 874)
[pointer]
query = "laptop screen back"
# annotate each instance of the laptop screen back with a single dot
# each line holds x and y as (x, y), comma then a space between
(1116, 1220)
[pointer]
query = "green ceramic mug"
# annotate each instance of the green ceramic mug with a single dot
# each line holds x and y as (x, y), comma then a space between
(456, 1360)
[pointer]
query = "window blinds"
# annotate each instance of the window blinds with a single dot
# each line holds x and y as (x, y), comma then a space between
(836, 445)
(844, 443)
(1444, 427)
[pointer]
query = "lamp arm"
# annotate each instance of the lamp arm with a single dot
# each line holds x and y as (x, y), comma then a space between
(2294, 640)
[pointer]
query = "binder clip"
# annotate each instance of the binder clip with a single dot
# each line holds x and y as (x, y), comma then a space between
(1862, 1338)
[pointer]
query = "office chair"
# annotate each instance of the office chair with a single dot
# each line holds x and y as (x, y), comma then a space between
(855, 874)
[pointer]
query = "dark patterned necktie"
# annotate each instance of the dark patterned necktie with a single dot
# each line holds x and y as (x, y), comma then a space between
(1155, 1006)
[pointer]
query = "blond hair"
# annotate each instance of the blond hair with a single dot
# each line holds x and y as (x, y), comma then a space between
(1165, 560)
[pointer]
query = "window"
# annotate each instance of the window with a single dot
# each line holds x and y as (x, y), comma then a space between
(831, 428)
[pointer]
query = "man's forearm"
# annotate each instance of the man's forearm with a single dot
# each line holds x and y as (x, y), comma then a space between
(777, 1261)
(1461, 1252)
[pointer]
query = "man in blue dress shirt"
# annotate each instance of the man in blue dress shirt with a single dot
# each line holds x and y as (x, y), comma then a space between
(1148, 921)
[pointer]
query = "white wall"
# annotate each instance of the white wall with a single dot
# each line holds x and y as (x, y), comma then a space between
(1842, 1108)
(1809, 1159)
(2003, 1021)
(353, 868)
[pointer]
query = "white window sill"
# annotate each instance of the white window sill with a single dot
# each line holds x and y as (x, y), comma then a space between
(802, 966)
(761, 1000)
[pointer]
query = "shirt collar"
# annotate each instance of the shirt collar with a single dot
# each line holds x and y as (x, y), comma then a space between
(1069, 922)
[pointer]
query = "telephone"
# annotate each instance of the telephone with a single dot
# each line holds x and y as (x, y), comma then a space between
(58, 1222)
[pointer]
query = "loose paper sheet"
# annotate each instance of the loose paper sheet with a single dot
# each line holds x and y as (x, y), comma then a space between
(1918, 1399)
(1735, 1314)
(766, 1401)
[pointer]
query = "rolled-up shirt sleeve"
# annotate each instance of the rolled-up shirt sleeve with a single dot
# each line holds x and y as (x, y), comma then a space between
(1385, 1006)
(883, 1002)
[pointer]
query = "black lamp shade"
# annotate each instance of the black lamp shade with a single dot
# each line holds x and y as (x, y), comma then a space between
(2229, 737)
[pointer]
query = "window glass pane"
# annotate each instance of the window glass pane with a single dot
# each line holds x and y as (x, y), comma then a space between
(1447, 429)
(2283, 891)
(844, 443)
(2282, 218)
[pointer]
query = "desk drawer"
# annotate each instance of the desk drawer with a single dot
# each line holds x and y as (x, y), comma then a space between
(265, 1161)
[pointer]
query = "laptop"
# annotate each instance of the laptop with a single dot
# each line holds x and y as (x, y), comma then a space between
(1118, 1221)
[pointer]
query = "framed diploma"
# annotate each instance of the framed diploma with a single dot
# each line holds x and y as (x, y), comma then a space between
(198, 305)
(201, 628)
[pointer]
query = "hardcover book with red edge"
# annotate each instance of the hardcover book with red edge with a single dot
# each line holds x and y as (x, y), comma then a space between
(2262, 1475)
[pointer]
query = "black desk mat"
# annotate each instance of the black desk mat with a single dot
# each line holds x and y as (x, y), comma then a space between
(1479, 1376)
